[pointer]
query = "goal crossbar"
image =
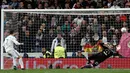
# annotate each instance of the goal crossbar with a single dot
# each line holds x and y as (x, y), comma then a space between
(72, 11)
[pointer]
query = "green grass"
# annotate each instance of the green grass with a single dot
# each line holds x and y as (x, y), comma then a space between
(68, 71)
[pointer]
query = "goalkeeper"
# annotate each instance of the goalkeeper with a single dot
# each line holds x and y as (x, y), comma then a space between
(101, 56)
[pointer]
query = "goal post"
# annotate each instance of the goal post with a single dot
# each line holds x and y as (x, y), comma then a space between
(33, 18)
(2, 38)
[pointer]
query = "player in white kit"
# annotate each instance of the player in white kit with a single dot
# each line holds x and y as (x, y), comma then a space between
(10, 50)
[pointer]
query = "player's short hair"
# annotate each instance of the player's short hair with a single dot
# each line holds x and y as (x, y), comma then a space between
(11, 31)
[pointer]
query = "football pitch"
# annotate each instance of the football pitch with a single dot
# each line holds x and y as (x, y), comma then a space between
(67, 71)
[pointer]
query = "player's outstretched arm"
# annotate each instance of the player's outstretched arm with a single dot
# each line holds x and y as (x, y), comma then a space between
(16, 42)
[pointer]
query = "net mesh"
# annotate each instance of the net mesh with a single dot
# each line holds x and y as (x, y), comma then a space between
(80, 31)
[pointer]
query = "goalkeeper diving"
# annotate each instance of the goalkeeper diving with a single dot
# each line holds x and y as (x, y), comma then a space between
(98, 58)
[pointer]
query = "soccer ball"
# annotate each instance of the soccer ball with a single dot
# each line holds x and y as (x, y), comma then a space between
(123, 29)
(118, 47)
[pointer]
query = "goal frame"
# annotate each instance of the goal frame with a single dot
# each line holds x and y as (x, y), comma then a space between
(57, 12)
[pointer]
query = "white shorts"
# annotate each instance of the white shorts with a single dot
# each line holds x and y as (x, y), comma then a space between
(14, 53)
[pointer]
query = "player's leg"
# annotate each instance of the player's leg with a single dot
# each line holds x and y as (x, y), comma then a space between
(97, 60)
(19, 58)
(14, 63)
(87, 66)
(95, 63)
(11, 53)
(93, 57)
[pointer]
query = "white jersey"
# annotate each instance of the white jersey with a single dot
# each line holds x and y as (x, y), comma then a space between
(9, 43)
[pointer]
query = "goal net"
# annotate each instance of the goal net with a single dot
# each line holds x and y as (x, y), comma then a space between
(77, 30)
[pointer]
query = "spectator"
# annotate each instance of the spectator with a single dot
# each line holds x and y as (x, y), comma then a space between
(95, 38)
(57, 4)
(86, 3)
(104, 37)
(32, 2)
(29, 6)
(58, 29)
(74, 55)
(110, 32)
(65, 27)
(78, 20)
(73, 40)
(6, 33)
(25, 55)
(39, 6)
(81, 2)
(124, 25)
(39, 37)
(109, 3)
(43, 19)
(77, 5)
(52, 7)
(83, 28)
(43, 28)
(69, 19)
(127, 5)
(27, 47)
(46, 6)
(96, 27)
(5, 19)
(22, 31)
(115, 6)
(25, 20)
(8, 25)
(46, 54)
(53, 22)
(114, 40)
(55, 42)
(59, 51)
(86, 44)
(93, 4)
(80, 55)
(4, 1)
(123, 18)
(29, 24)
(117, 33)
(67, 6)
(48, 39)
(21, 5)
(42, 1)
(44, 31)
(106, 20)
(111, 21)
(103, 27)
(4, 5)
(117, 22)
(89, 31)
(13, 4)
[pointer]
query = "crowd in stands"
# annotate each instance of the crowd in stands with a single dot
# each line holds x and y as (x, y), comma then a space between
(39, 31)
(76, 32)
(64, 4)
